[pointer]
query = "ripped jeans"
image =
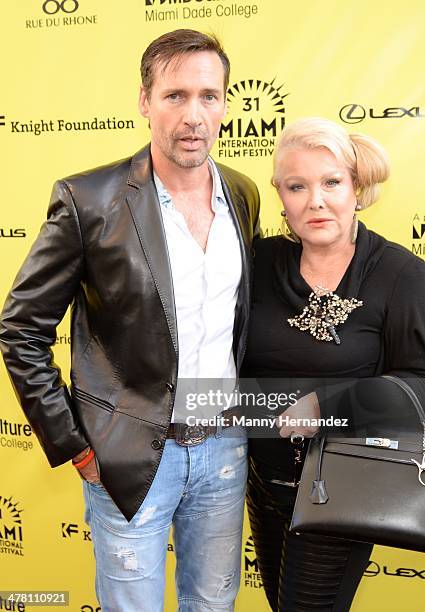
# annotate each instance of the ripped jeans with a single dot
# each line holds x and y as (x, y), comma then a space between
(201, 491)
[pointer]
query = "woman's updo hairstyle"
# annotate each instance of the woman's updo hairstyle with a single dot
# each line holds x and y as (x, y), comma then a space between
(362, 155)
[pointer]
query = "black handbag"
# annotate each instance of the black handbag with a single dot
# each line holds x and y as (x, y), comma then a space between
(366, 489)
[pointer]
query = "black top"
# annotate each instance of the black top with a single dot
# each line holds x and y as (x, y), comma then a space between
(386, 335)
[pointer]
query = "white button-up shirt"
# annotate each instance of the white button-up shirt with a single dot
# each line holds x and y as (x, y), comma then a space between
(205, 286)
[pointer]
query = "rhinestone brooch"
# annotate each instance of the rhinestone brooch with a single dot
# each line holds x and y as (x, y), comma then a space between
(324, 312)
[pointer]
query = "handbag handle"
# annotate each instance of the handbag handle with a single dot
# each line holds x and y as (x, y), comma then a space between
(412, 395)
(421, 414)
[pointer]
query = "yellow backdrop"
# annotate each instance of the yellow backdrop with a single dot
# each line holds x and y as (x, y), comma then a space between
(69, 102)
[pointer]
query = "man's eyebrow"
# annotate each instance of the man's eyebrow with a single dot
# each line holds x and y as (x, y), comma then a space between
(177, 90)
(212, 90)
(171, 90)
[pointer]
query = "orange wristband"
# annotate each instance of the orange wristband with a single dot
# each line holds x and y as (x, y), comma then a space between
(80, 464)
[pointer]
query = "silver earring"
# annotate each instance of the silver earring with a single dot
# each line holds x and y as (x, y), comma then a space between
(354, 229)
(358, 206)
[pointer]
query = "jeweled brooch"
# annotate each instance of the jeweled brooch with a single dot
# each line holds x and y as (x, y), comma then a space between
(324, 312)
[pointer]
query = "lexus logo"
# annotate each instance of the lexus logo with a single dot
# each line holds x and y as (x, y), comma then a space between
(352, 113)
(372, 569)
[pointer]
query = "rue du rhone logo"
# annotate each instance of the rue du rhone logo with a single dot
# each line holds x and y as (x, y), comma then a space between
(51, 7)
(61, 13)
(256, 116)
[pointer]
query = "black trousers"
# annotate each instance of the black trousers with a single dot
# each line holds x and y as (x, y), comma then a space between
(300, 573)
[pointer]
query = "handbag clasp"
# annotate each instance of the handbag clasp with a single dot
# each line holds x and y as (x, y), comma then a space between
(382, 442)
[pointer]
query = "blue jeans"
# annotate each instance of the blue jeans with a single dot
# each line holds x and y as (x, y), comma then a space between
(201, 491)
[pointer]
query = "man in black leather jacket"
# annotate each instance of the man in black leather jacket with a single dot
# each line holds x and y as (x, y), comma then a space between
(144, 250)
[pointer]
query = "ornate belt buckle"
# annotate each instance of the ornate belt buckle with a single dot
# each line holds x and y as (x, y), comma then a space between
(191, 435)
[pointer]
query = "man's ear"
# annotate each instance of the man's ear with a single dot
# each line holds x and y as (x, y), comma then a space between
(144, 107)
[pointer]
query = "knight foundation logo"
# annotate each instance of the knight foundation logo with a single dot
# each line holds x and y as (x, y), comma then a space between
(10, 528)
(251, 576)
(418, 235)
(256, 116)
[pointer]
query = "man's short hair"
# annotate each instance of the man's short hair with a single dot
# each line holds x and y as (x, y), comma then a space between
(173, 45)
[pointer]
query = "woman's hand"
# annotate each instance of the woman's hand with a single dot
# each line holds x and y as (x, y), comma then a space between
(307, 407)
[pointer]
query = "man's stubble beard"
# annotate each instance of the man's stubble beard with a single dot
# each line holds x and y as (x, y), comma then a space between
(188, 160)
(169, 147)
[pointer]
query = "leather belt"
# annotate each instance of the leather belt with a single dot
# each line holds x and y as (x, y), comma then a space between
(191, 435)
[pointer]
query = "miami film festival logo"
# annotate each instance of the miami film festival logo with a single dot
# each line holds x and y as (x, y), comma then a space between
(11, 536)
(355, 113)
(174, 10)
(256, 116)
(418, 235)
(62, 13)
(251, 575)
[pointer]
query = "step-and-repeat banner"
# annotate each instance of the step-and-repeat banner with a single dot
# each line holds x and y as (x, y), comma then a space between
(69, 89)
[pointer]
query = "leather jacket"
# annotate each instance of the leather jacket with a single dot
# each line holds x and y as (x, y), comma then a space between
(103, 250)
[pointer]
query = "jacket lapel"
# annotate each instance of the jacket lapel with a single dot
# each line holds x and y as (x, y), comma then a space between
(237, 207)
(238, 210)
(146, 214)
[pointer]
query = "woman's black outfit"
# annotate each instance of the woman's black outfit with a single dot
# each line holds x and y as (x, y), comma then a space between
(385, 335)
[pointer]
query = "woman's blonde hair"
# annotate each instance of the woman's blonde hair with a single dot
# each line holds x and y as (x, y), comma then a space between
(362, 155)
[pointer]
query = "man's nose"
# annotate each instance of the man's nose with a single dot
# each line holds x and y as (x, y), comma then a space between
(192, 115)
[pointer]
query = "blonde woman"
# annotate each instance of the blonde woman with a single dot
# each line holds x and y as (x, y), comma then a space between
(325, 178)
